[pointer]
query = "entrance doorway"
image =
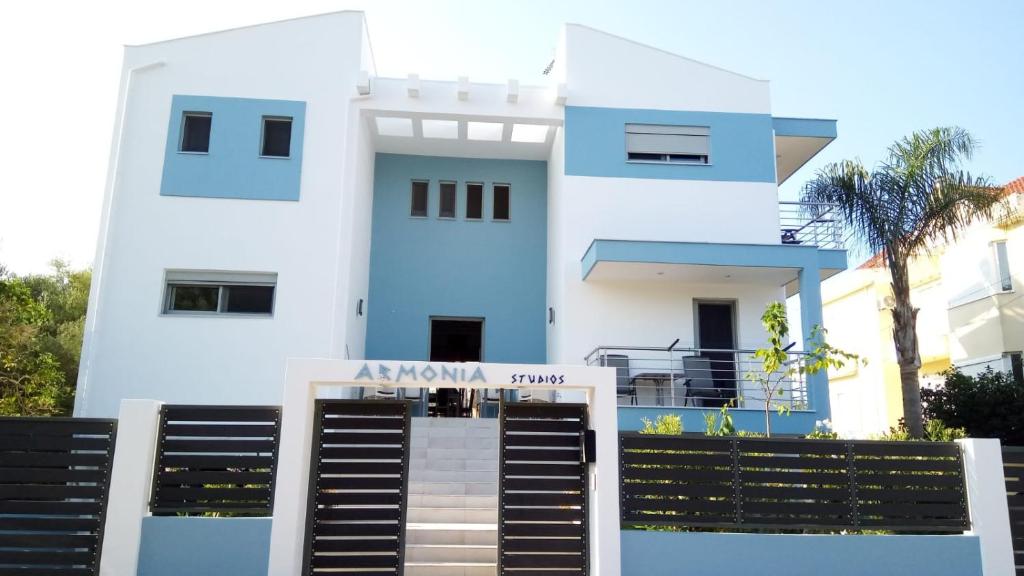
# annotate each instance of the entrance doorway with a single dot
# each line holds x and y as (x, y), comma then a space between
(454, 340)
(716, 337)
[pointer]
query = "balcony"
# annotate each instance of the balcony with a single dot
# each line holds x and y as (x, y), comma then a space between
(811, 224)
(696, 378)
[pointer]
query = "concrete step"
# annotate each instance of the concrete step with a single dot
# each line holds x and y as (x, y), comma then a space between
(420, 475)
(451, 534)
(433, 553)
(454, 431)
(447, 501)
(454, 442)
(421, 422)
(453, 453)
(453, 515)
(448, 464)
(450, 569)
(417, 486)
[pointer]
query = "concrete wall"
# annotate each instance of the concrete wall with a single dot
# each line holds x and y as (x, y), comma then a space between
(424, 267)
(173, 546)
(673, 553)
(130, 349)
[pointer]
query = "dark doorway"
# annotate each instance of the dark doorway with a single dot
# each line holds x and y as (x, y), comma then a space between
(716, 338)
(454, 340)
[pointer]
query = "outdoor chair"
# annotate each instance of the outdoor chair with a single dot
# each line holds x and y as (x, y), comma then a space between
(699, 384)
(624, 385)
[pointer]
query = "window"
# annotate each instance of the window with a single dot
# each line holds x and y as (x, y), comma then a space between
(502, 201)
(668, 144)
(1003, 266)
(201, 292)
(419, 199)
(195, 132)
(474, 201)
(447, 209)
(277, 137)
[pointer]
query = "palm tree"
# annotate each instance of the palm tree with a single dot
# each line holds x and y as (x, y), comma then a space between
(915, 198)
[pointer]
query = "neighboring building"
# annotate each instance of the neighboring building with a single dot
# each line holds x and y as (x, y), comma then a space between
(271, 197)
(969, 317)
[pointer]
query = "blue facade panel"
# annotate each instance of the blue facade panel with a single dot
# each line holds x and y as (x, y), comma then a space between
(233, 167)
(648, 553)
(176, 546)
(428, 267)
(742, 145)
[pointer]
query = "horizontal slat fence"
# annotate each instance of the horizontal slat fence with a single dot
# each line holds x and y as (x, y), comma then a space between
(786, 484)
(216, 459)
(1013, 472)
(54, 482)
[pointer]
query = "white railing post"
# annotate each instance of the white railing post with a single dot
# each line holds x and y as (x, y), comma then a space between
(138, 422)
(986, 500)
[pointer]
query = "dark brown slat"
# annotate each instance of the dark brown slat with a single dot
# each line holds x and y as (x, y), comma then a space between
(546, 499)
(778, 447)
(912, 510)
(371, 408)
(665, 489)
(358, 513)
(60, 492)
(364, 423)
(679, 474)
(362, 438)
(932, 465)
(512, 455)
(928, 449)
(393, 468)
(47, 557)
(658, 442)
(68, 524)
(793, 492)
(717, 520)
(792, 463)
(44, 475)
(359, 483)
(59, 443)
(548, 469)
(779, 477)
(19, 425)
(543, 572)
(794, 508)
(544, 561)
(260, 446)
(202, 494)
(56, 459)
(358, 529)
(553, 440)
(672, 459)
(516, 410)
(926, 524)
(216, 430)
(47, 541)
(547, 426)
(175, 413)
(366, 498)
(356, 572)
(543, 514)
(541, 545)
(912, 494)
(361, 453)
(215, 461)
(908, 480)
(43, 508)
(214, 477)
(725, 507)
(58, 571)
(543, 530)
(355, 561)
(543, 484)
(378, 545)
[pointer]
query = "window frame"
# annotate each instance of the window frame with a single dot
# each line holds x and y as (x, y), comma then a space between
(263, 135)
(494, 203)
(440, 199)
(412, 198)
(174, 279)
(666, 157)
(479, 218)
(181, 131)
(1001, 257)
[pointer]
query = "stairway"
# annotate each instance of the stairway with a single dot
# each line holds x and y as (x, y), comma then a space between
(451, 527)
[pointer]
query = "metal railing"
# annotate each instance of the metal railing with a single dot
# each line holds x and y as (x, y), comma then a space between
(697, 377)
(811, 224)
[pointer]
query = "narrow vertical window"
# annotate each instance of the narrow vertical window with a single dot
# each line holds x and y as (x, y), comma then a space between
(474, 201)
(277, 137)
(447, 208)
(419, 199)
(1003, 267)
(502, 202)
(195, 132)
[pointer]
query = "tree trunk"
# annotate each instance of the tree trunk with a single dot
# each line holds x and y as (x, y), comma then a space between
(904, 335)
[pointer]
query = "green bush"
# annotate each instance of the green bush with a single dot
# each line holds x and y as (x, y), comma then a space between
(990, 405)
(663, 424)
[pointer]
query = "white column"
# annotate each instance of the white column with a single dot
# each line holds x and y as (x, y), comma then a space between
(604, 503)
(986, 499)
(138, 422)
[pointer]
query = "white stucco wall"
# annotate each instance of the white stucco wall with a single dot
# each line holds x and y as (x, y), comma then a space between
(131, 350)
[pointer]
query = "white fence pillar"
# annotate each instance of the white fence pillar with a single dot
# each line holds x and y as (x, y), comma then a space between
(138, 423)
(986, 499)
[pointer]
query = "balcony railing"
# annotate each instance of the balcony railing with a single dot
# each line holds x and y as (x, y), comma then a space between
(697, 377)
(811, 224)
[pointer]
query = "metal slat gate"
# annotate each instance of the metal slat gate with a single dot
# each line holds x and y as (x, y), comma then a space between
(54, 483)
(359, 476)
(1013, 473)
(542, 524)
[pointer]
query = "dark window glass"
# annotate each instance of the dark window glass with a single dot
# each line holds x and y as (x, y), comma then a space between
(419, 199)
(501, 202)
(646, 156)
(249, 299)
(277, 137)
(195, 132)
(474, 201)
(194, 298)
(688, 158)
(447, 200)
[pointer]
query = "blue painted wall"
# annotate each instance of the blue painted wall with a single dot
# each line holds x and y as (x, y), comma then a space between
(423, 267)
(742, 145)
(797, 422)
(700, 553)
(178, 546)
(233, 167)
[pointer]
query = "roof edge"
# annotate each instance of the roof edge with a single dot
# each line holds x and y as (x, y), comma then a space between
(247, 26)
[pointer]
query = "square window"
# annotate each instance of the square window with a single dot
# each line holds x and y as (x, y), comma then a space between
(502, 202)
(195, 132)
(419, 199)
(277, 137)
(202, 298)
(447, 209)
(474, 201)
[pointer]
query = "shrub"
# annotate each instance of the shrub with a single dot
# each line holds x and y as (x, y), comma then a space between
(990, 405)
(663, 424)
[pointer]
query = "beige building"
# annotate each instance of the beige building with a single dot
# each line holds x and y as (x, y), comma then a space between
(970, 294)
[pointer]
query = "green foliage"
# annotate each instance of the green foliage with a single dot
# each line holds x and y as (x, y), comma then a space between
(41, 323)
(934, 431)
(663, 424)
(989, 405)
(776, 366)
(720, 424)
(822, 431)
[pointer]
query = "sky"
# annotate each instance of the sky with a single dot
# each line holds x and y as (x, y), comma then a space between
(881, 68)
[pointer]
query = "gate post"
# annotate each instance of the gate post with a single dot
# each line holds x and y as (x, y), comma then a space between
(131, 477)
(986, 500)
